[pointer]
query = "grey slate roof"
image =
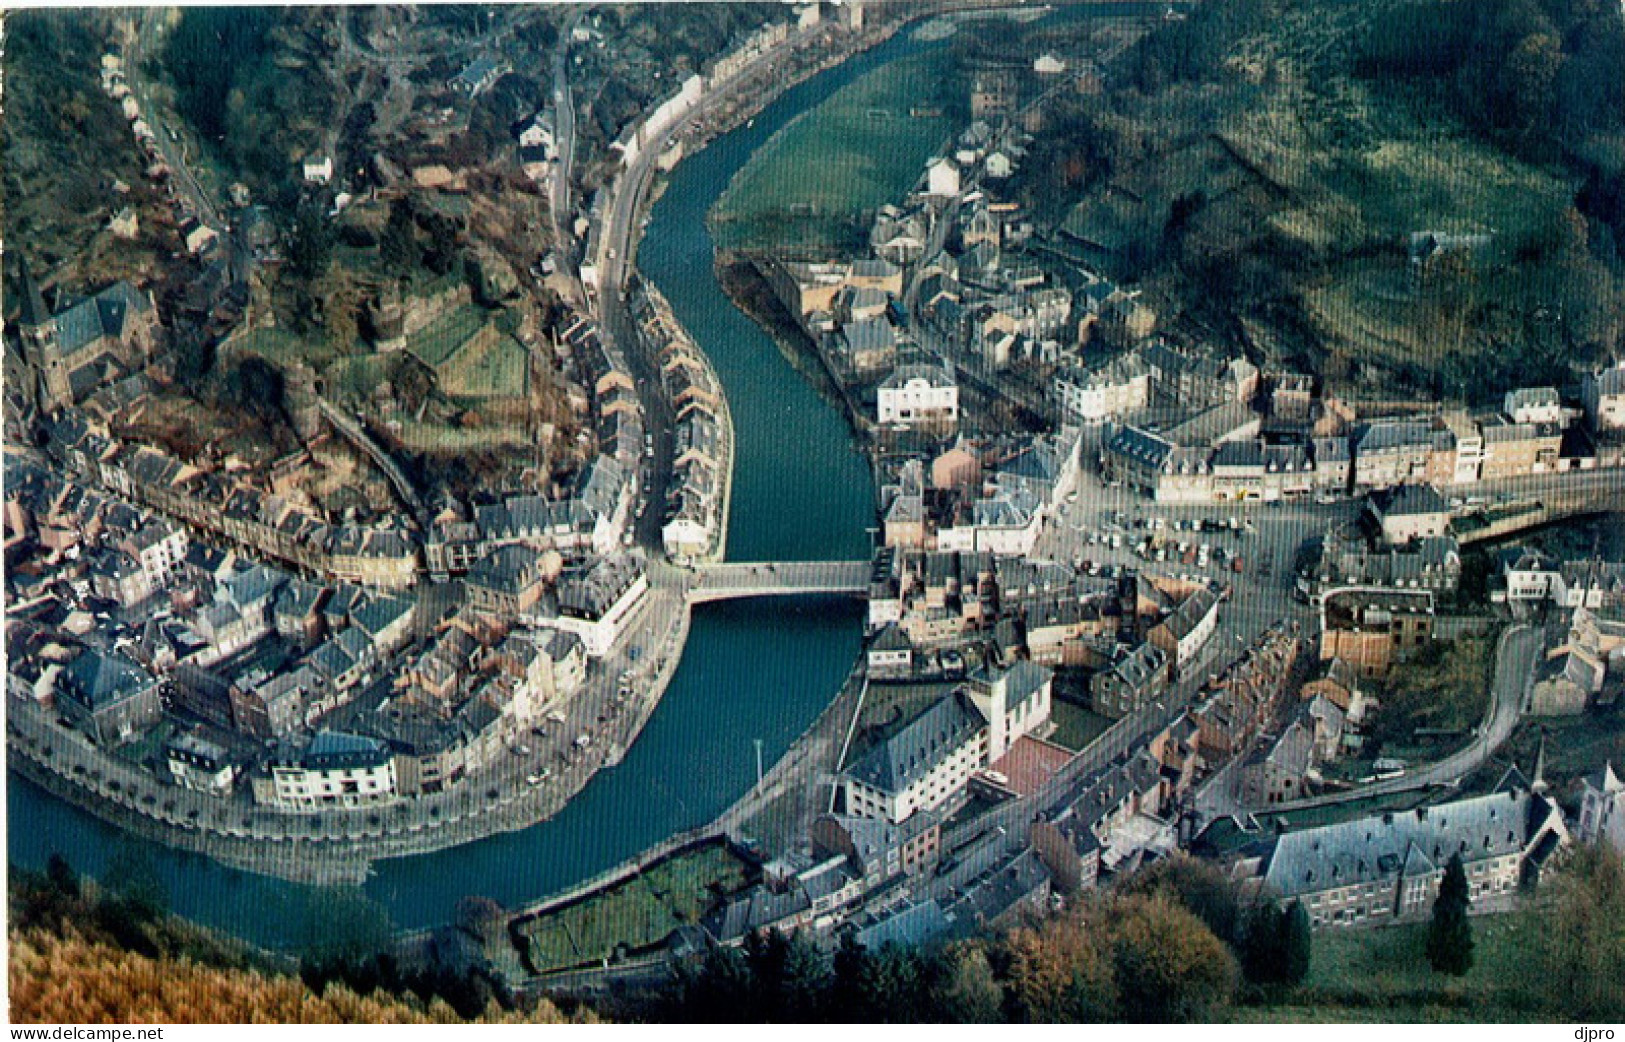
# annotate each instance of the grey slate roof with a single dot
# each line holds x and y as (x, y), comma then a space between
(1141, 446)
(923, 743)
(1368, 849)
(910, 927)
(331, 750)
(1408, 501)
(101, 680)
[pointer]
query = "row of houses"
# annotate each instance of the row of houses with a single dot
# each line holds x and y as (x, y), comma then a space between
(696, 510)
(219, 502)
(1225, 453)
(990, 495)
(590, 520)
(241, 654)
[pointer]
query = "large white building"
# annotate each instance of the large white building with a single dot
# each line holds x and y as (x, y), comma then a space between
(922, 766)
(918, 396)
(1093, 395)
(335, 770)
(596, 602)
(1015, 701)
(1388, 867)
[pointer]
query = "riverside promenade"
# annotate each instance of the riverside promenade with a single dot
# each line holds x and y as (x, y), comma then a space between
(339, 845)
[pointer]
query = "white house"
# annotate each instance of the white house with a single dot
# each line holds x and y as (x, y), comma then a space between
(891, 654)
(1095, 395)
(918, 395)
(538, 133)
(942, 179)
(318, 169)
(200, 765)
(335, 770)
(1016, 702)
(1527, 575)
(597, 600)
(1602, 809)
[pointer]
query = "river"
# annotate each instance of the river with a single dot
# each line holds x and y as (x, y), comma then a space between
(762, 669)
(751, 670)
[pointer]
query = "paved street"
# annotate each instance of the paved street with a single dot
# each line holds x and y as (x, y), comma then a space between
(1086, 528)
(1516, 658)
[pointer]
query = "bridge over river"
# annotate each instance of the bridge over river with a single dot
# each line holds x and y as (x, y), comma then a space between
(725, 582)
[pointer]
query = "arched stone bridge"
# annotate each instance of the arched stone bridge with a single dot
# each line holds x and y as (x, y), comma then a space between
(734, 581)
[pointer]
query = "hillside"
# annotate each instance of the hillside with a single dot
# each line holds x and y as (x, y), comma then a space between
(82, 954)
(1404, 195)
(57, 979)
(69, 160)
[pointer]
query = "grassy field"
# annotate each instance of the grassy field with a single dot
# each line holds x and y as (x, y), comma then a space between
(492, 365)
(860, 149)
(1382, 975)
(1076, 726)
(639, 912)
(472, 357)
(440, 439)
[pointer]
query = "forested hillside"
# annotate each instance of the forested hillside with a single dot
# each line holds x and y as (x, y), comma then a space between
(1406, 195)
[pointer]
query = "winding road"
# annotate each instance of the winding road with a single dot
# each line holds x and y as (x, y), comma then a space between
(1517, 654)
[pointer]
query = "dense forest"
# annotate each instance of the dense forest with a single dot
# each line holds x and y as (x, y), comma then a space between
(250, 82)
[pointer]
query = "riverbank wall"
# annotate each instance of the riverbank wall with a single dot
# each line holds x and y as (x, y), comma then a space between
(331, 847)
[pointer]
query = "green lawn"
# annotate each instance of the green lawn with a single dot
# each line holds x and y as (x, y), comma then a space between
(436, 342)
(1382, 975)
(638, 912)
(860, 149)
(492, 365)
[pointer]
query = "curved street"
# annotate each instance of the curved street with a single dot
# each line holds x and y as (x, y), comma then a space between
(1517, 654)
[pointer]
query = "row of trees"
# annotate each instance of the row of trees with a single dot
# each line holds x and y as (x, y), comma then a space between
(1175, 944)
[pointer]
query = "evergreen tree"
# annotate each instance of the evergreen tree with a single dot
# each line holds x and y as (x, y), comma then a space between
(61, 875)
(805, 982)
(1296, 944)
(768, 953)
(398, 246)
(1263, 957)
(849, 971)
(310, 242)
(719, 991)
(1450, 936)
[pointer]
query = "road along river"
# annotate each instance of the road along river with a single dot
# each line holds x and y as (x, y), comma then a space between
(751, 670)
